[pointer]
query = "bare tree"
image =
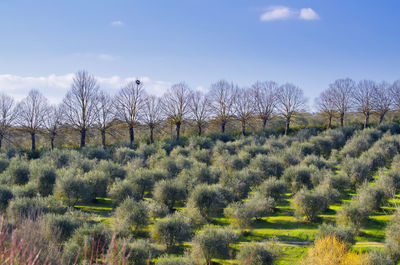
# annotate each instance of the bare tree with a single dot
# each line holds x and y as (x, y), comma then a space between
(129, 104)
(31, 112)
(326, 105)
(382, 100)
(200, 110)
(290, 101)
(222, 95)
(8, 114)
(104, 115)
(395, 93)
(264, 94)
(152, 114)
(363, 98)
(175, 105)
(243, 107)
(342, 92)
(80, 103)
(53, 121)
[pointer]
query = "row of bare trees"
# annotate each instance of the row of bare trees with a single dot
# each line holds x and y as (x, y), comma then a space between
(86, 106)
(366, 97)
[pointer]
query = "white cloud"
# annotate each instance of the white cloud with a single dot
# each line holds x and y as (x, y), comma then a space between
(284, 13)
(277, 13)
(54, 87)
(308, 14)
(117, 23)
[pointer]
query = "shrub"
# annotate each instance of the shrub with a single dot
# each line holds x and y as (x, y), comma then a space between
(238, 183)
(271, 167)
(120, 190)
(213, 242)
(33, 207)
(202, 156)
(142, 181)
(343, 233)
(28, 190)
(356, 170)
(132, 214)
(111, 170)
(389, 182)
(379, 257)
(200, 142)
(208, 199)
(298, 176)
(256, 254)
(259, 205)
(171, 230)
(331, 250)
(61, 225)
(3, 164)
(273, 188)
(45, 176)
(392, 239)
(97, 183)
(174, 260)
(96, 153)
(157, 210)
(140, 252)
(169, 192)
(318, 162)
(239, 214)
(308, 205)
(352, 214)
(370, 197)
(5, 196)
(72, 189)
(18, 171)
(123, 155)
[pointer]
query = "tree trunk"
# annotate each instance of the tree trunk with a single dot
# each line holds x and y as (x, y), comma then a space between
(33, 139)
(52, 143)
(329, 122)
(178, 129)
(342, 119)
(131, 136)
(223, 126)
(83, 138)
(381, 116)
(151, 134)
(366, 120)
(1, 140)
(287, 127)
(103, 138)
(199, 130)
(264, 123)
(244, 127)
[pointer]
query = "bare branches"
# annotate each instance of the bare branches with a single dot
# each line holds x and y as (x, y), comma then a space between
(264, 94)
(222, 95)
(104, 114)
(80, 103)
(342, 93)
(8, 115)
(175, 104)
(243, 107)
(290, 101)
(382, 100)
(52, 122)
(200, 110)
(395, 93)
(31, 112)
(326, 105)
(129, 105)
(363, 98)
(152, 114)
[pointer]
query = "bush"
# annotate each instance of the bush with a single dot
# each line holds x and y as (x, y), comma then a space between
(356, 170)
(259, 205)
(379, 257)
(132, 214)
(169, 192)
(97, 183)
(3, 164)
(213, 242)
(72, 189)
(111, 170)
(174, 260)
(61, 225)
(33, 207)
(140, 252)
(389, 182)
(171, 230)
(45, 176)
(96, 153)
(208, 199)
(123, 155)
(239, 214)
(5, 196)
(370, 197)
(28, 190)
(120, 190)
(18, 171)
(142, 181)
(273, 188)
(352, 214)
(271, 167)
(392, 239)
(256, 254)
(157, 210)
(308, 205)
(298, 176)
(343, 233)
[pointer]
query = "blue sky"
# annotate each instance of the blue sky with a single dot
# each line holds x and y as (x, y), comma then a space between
(307, 42)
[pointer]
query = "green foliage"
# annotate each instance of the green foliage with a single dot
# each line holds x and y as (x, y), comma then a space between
(96, 182)
(5, 196)
(370, 197)
(256, 254)
(273, 188)
(18, 171)
(169, 192)
(392, 240)
(171, 230)
(213, 242)
(208, 199)
(344, 233)
(308, 205)
(45, 176)
(352, 214)
(271, 167)
(298, 176)
(120, 190)
(132, 214)
(72, 188)
(111, 170)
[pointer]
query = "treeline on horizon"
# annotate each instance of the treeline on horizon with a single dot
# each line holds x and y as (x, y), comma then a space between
(87, 108)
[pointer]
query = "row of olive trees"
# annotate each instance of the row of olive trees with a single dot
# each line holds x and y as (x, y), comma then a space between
(367, 97)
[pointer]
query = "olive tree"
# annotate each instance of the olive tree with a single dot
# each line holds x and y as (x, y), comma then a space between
(290, 101)
(8, 115)
(133, 214)
(308, 205)
(80, 103)
(129, 104)
(264, 95)
(31, 113)
(222, 95)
